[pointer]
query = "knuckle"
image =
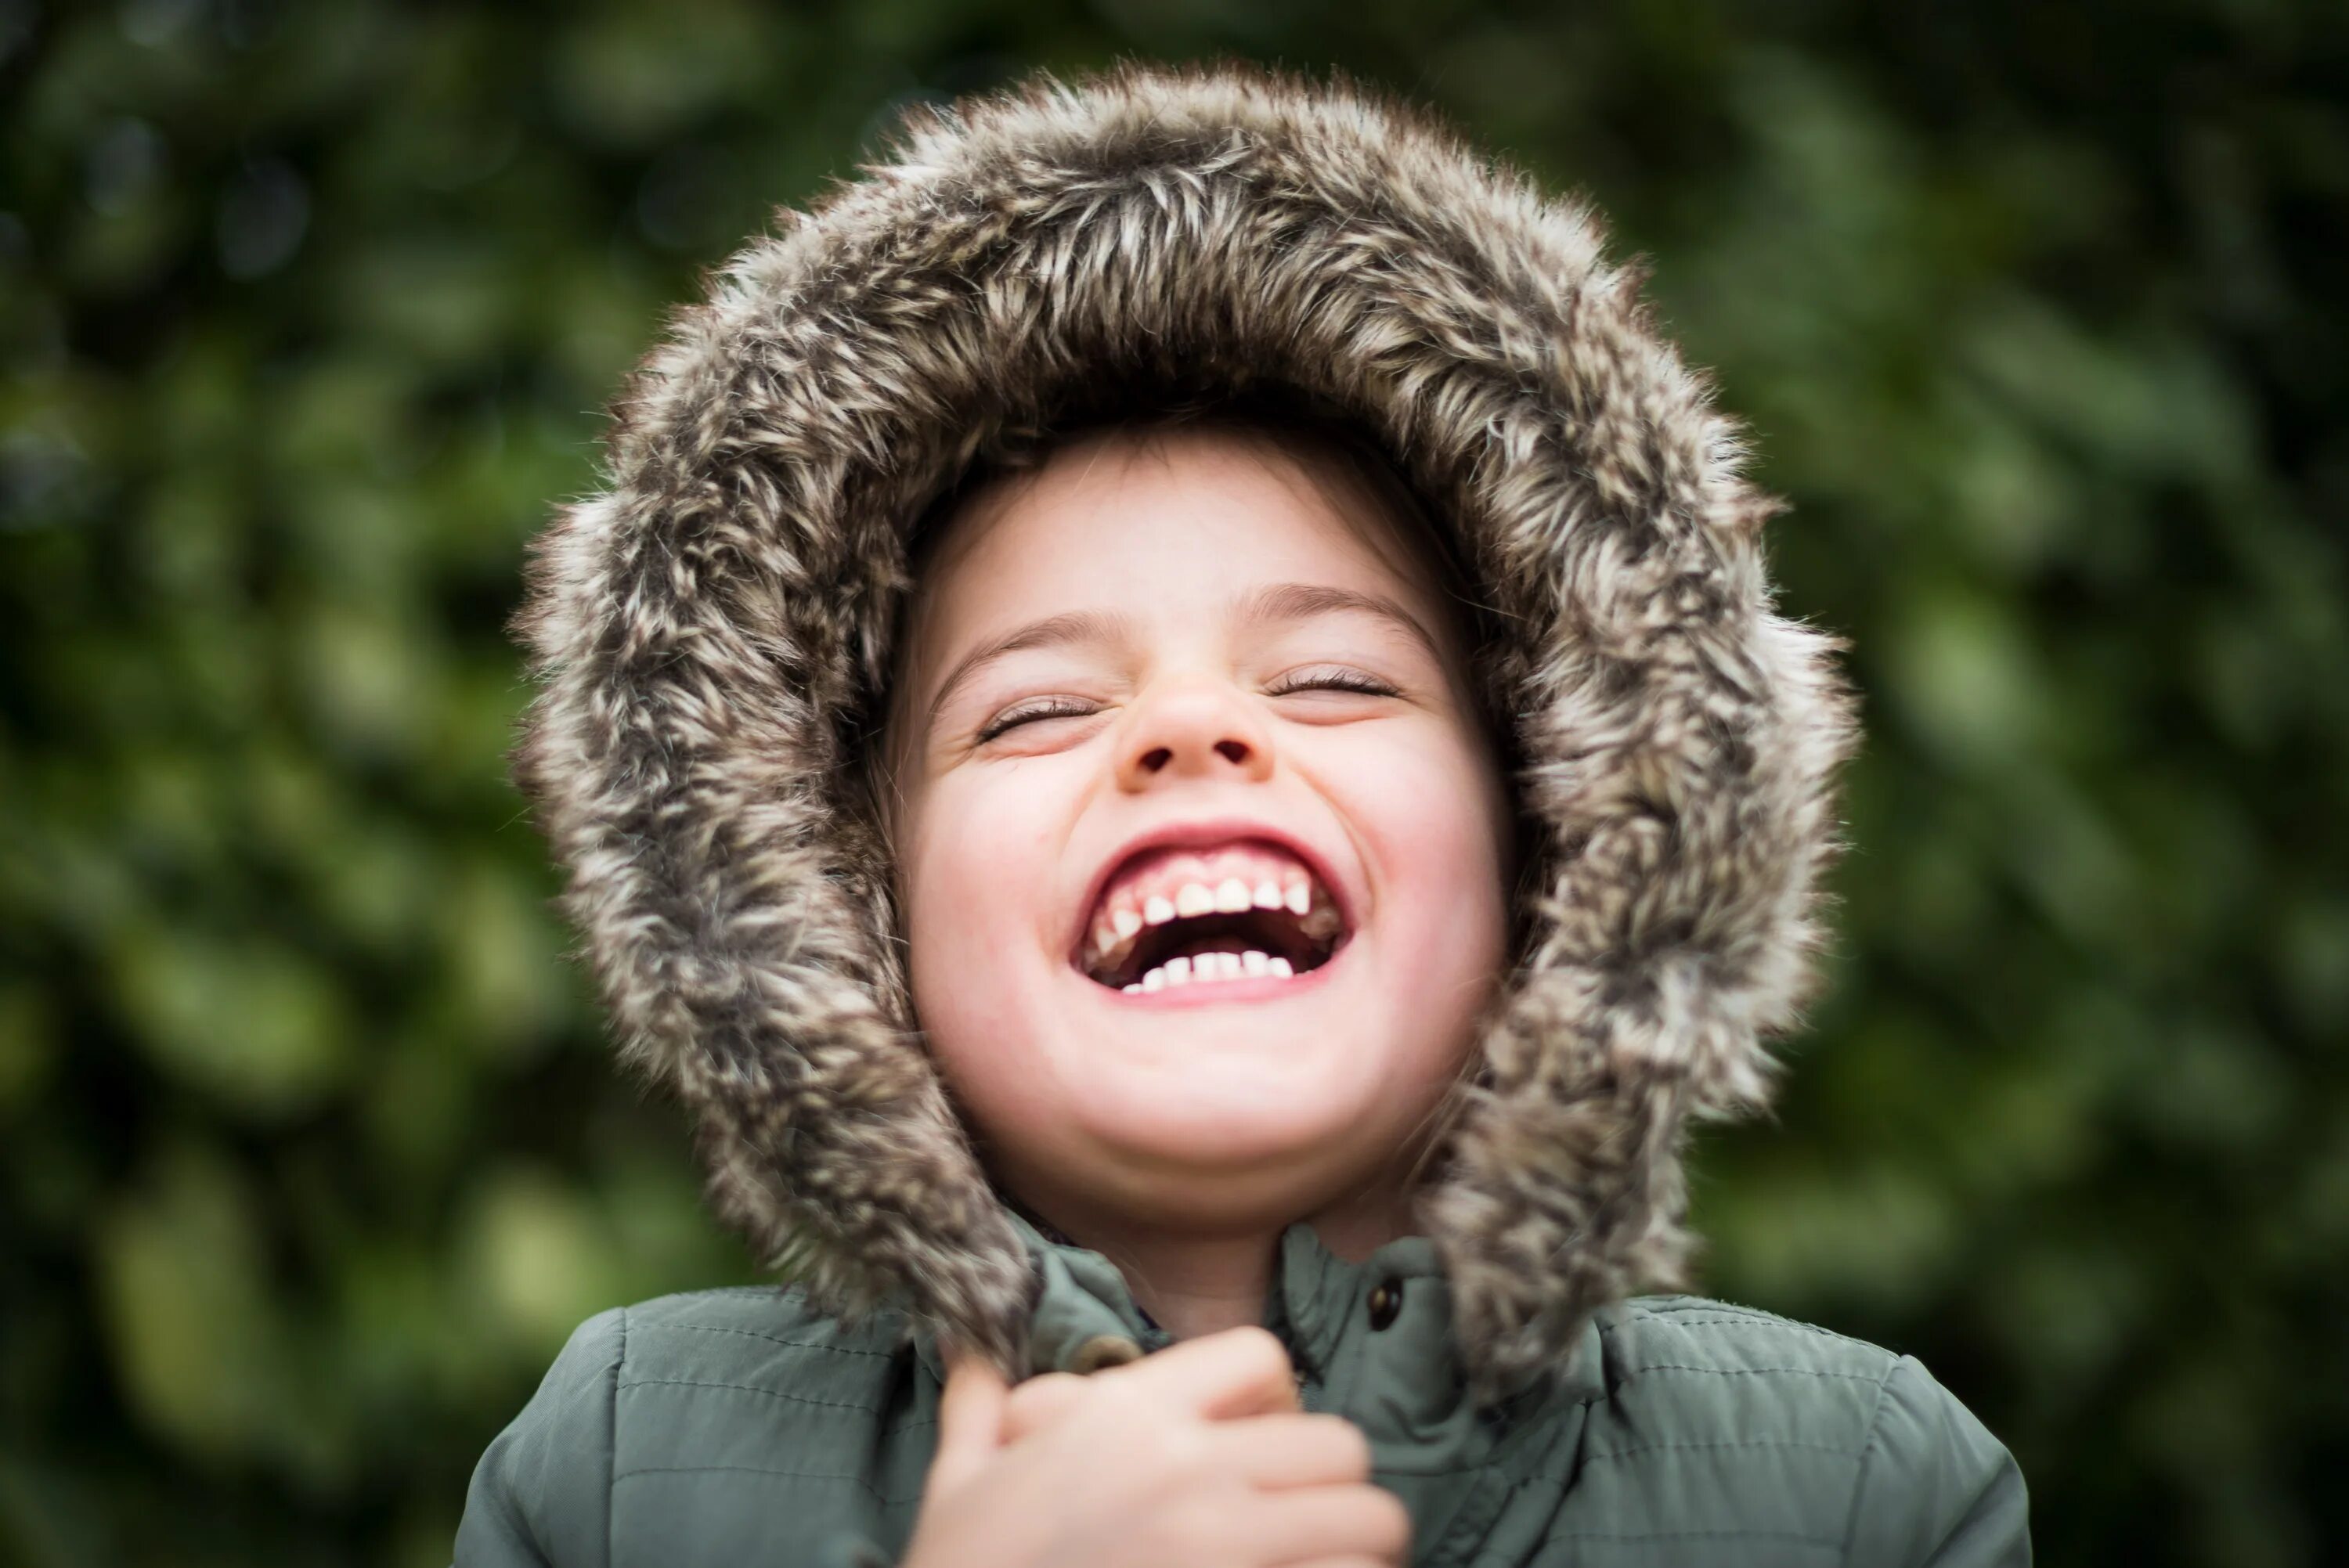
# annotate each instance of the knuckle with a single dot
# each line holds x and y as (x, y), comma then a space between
(1265, 1352)
(1117, 1394)
(1350, 1448)
(1044, 1392)
(1390, 1520)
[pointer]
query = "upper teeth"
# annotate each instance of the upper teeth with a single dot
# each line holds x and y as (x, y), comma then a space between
(1228, 897)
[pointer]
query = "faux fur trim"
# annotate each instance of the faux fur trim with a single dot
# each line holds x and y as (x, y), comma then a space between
(710, 627)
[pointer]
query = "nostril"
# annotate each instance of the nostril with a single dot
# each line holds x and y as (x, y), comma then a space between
(1157, 758)
(1232, 750)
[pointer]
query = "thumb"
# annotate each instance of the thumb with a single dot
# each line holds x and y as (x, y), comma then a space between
(970, 1423)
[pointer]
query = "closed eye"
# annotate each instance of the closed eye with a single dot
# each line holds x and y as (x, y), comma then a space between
(1046, 707)
(1332, 678)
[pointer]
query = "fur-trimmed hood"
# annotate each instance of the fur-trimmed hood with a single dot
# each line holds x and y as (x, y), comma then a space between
(712, 627)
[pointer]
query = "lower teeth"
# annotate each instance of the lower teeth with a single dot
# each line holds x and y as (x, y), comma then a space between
(1207, 968)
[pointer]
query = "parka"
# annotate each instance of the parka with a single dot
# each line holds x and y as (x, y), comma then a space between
(711, 632)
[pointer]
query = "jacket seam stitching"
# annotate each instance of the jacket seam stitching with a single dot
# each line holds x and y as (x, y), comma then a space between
(1555, 1479)
(776, 1339)
(1471, 1526)
(1750, 1320)
(1759, 1372)
(773, 1293)
(612, 1454)
(760, 1469)
(1490, 1465)
(748, 1389)
(1599, 1454)
(1859, 1476)
(1740, 1534)
(1729, 1312)
(1973, 1503)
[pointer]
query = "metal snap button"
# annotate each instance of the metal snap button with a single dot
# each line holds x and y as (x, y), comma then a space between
(1102, 1352)
(1386, 1301)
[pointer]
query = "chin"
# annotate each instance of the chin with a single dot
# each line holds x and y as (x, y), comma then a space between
(1243, 1104)
(1171, 1181)
(1271, 1145)
(1229, 1130)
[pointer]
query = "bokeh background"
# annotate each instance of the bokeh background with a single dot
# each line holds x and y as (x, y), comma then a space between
(310, 1151)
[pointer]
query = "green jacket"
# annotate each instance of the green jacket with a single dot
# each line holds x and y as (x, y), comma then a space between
(711, 631)
(731, 1428)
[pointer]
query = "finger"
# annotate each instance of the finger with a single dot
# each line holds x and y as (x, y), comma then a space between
(1272, 1452)
(970, 1423)
(1239, 1372)
(1312, 1522)
(1039, 1402)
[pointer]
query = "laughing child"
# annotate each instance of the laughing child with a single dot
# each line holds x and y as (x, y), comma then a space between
(1172, 729)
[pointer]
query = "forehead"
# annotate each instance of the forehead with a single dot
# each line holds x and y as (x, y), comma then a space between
(1166, 522)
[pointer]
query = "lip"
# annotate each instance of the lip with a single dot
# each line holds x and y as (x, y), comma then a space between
(1200, 834)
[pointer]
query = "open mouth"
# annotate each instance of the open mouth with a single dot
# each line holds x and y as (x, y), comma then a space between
(1187, 916)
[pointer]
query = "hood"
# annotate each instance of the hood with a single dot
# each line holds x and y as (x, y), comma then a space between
(709, 630)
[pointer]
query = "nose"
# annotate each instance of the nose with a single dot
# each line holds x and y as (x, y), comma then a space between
(1195, 728)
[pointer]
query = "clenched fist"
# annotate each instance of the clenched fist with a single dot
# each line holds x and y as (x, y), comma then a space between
(1197, 1457)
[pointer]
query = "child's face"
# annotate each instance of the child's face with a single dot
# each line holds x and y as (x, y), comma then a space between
(1177, 619)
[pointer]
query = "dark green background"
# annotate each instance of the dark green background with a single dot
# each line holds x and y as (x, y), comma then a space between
(310, 1154)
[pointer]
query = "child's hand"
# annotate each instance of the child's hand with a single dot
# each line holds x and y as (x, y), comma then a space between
(1194, 1457)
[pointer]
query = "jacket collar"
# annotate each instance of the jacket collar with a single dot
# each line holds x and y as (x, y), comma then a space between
(1372, 1341)
(1379, 1329)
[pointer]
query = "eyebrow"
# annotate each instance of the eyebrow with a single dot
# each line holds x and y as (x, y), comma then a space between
(1274, 603)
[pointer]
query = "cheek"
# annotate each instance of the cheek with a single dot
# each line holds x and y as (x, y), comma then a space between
(979, 897)
(1431, 813)
(1430, 809)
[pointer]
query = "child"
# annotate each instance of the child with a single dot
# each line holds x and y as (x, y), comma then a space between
(1172, 729)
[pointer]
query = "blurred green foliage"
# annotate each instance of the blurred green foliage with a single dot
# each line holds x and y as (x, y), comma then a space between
(309, 1151)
